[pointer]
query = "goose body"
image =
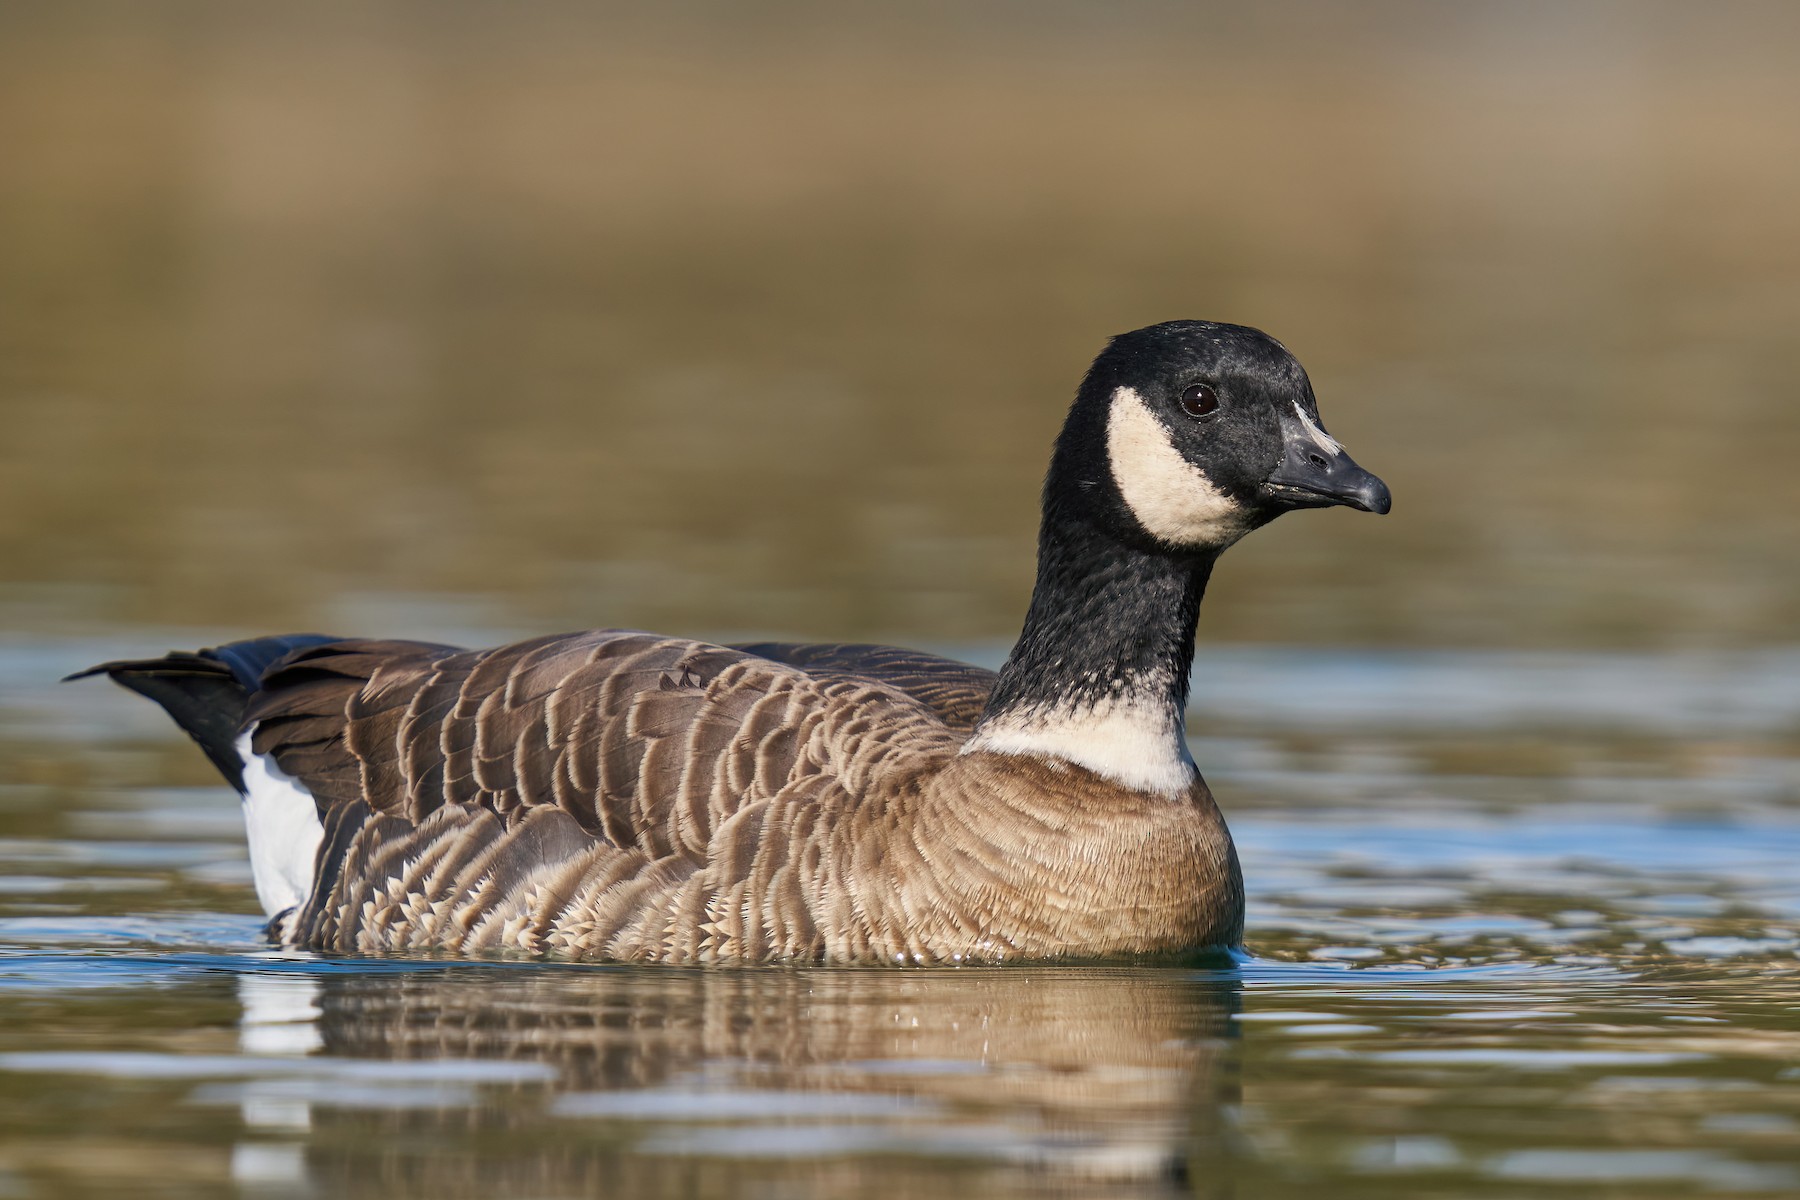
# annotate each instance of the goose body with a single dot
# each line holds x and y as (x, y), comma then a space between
(622, 795)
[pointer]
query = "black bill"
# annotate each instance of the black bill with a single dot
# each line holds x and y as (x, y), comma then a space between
(1316, 473)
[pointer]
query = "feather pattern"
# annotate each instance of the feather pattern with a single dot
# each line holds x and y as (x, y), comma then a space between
(955, 691)
(623, 795)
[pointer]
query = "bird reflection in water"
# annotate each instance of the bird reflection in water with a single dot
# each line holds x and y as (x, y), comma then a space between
(623, 1081)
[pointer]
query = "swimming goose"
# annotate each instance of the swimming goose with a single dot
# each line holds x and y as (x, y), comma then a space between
(622, 795)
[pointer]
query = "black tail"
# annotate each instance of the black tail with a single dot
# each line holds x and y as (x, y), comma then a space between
(206, 692)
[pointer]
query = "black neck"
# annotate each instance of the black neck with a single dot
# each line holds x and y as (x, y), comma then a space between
(1107, 620)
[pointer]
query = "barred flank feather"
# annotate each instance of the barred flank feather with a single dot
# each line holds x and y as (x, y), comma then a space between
(622, 795)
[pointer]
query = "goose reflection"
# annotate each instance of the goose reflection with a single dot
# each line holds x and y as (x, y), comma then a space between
(1092, 1081)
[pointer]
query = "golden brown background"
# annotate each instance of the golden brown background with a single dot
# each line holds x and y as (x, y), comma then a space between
(725, 319)
(459, 319)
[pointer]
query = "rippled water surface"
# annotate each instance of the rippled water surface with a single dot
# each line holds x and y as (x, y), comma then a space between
(1491, 956)
(442, 319)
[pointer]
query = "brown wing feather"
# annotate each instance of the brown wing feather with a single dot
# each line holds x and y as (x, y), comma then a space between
(646, 742)
(955, 691)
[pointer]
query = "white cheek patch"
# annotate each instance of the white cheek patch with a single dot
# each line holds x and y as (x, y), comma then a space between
(1320, 438)
(282, 823)
(1171, 497)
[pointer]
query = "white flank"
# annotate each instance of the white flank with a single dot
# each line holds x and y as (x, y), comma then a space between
(1171, 497)
(283, 826)
(1321, 439)
(1131, 742)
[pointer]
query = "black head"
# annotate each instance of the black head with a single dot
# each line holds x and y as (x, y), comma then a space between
(1193, 433)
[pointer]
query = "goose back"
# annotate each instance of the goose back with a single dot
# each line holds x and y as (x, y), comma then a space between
(955, 691)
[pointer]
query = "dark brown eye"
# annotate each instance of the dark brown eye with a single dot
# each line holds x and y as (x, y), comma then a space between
(1199, 400)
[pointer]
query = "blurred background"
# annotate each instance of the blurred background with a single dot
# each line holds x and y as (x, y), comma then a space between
(477, 320)
(386, 318)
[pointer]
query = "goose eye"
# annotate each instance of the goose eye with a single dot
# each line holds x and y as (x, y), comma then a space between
(1199, 400)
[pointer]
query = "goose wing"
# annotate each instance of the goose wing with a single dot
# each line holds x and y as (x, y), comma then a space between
(955, 691)
(648, 743)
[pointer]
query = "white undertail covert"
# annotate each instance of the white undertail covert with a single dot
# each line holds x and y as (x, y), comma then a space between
(282, 823)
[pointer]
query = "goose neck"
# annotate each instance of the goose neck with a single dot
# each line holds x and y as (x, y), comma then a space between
(1099, 676)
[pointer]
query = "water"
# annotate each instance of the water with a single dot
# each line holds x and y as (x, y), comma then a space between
(1493, 952)
(471, 322)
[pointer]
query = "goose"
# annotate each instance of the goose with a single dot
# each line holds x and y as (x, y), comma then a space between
(622, 795)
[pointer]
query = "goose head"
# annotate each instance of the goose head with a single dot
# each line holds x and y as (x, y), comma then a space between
(1190, 434)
